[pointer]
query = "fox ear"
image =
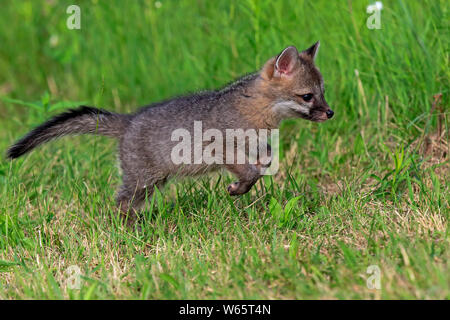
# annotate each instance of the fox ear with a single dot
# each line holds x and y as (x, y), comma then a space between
(286, 61)
(311, 52)
(268, 69)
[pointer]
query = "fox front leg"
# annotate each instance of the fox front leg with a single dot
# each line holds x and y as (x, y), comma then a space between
(248, 174)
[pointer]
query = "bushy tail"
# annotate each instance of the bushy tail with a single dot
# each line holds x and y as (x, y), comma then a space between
(74, 121)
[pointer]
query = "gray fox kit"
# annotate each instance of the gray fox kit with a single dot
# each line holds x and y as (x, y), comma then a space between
(288, 86)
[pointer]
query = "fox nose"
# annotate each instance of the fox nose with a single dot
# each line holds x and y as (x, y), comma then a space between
(330, 113)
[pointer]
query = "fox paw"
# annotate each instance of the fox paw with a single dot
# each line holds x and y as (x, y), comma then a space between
(233, 189)
(237, 188)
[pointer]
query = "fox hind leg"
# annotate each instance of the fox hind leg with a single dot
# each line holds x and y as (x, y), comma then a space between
(131, 197)
(129, 201)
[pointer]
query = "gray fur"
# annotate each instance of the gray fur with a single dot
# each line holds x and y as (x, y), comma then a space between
(145, 148)
(258, 100)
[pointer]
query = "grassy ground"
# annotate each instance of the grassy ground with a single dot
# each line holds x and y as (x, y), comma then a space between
(373, 183)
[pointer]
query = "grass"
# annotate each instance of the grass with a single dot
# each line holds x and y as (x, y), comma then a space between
(368, 188)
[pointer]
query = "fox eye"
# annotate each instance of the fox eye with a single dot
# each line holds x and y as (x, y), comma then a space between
(307, 97)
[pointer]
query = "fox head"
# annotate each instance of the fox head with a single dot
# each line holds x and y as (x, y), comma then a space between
(294, 85)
